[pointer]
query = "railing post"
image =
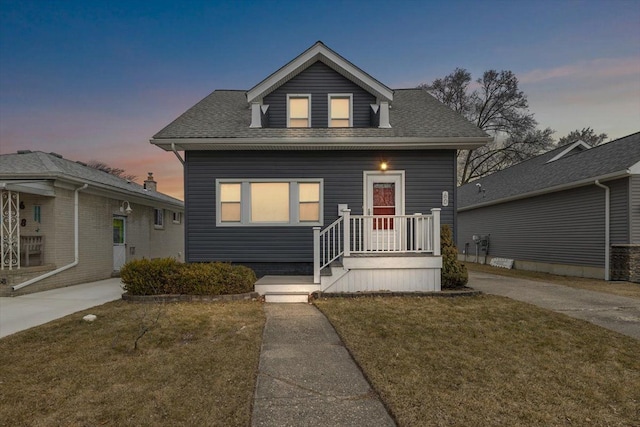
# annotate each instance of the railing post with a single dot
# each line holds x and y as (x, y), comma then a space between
(346, 231)
(316, 254)
(436, 230)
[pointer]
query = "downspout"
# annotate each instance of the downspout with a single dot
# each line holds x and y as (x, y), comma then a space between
(75, 241)
(607, 237)
(173, 148)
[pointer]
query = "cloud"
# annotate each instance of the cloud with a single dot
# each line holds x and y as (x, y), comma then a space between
(596, 68)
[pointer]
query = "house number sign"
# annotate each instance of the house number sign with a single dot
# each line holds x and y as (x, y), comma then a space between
(445, 198)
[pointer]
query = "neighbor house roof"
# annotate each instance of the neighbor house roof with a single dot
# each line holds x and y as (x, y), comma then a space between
(23, 167)
(565, 167)
(221, 120)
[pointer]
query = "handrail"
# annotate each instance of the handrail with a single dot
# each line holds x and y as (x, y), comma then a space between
(379, 234)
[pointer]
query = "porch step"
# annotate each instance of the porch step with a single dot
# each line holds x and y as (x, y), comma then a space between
(286, 297)
(16, 276)
(286, 288)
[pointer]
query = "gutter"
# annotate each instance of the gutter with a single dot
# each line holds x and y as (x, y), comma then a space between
(607, 237)
(587, 181)
(76, 251)
(173, 148)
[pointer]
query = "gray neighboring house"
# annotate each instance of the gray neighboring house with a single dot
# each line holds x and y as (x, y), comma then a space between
(64, 223)
(574, 210)
(274, 174)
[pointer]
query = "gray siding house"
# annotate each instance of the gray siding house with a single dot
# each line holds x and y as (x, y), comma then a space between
(64, 223)
(323, 172)
(574, 210)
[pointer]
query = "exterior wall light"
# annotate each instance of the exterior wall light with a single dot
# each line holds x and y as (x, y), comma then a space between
(383, 166)
(126, 210)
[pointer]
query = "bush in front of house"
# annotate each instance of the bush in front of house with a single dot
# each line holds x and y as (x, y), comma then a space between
(168, 276)
(216, 278)
(151, 276)
(454, 274)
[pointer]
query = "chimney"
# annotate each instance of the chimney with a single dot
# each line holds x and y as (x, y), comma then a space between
(149, 183)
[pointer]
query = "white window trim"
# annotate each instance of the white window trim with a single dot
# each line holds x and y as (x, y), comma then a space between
(173, 217)
(298, 95)
(158, 226)
(340, 95)
(245, 203)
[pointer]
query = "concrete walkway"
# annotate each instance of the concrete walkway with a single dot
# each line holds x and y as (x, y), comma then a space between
(307, 377)
(26, 311)
(617, 313)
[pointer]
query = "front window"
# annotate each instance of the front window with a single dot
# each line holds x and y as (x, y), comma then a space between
(177, 217)
(340, 110)
(261, 202)
(298, 111)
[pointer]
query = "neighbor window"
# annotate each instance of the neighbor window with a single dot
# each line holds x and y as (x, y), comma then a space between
(269, 202)
(340, 110)
(298, 111)
(158, 218)
(177, 217)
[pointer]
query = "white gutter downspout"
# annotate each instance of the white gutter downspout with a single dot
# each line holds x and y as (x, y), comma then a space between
(76, 251)
(607, 237)
(173, 148)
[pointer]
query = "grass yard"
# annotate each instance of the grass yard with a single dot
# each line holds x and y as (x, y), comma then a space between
(489, 361)
(625, 289)
(196, 367)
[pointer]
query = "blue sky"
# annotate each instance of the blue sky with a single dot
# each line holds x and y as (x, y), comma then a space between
(96, 79)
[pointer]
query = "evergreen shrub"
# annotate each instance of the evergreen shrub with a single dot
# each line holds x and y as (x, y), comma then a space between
(454, 274)
(168, 276)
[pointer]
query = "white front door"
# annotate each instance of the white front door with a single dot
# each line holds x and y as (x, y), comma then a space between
(119, 242)
(384, 197)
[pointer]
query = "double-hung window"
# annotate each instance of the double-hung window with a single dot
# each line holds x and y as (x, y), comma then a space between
(158, 218)
(298, 111)
(269, 202)
(340, 110)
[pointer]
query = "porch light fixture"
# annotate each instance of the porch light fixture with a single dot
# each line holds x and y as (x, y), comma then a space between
(383, 166)
(126, 210)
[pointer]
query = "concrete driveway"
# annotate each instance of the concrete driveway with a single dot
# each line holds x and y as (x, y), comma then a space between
(619, 314)
(26, 311)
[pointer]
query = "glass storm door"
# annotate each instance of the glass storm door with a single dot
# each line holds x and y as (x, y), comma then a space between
(384, 195)
(119, 242)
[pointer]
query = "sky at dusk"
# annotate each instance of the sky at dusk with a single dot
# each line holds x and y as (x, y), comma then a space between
(95, 80)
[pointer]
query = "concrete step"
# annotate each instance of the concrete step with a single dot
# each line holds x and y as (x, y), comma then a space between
(286, 297)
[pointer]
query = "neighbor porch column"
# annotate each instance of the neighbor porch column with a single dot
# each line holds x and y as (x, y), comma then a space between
(346, 231)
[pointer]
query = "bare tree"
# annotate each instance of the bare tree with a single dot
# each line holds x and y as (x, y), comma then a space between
(587, 135)
(120, 173)
(501, 109)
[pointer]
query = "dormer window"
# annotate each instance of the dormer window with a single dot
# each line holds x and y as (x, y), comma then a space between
(340, 110)
(299, 111)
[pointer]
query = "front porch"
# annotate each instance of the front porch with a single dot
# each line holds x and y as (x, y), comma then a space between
(367, 253)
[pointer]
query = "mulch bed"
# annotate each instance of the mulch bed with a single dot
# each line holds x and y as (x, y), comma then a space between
(249, 296)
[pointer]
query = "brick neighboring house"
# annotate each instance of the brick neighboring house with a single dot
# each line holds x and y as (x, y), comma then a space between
(47, 199)
(573, 211)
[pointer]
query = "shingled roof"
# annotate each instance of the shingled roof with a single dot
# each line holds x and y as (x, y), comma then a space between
(223, 119)
(38, 165)
(414, 113)
(541, 174)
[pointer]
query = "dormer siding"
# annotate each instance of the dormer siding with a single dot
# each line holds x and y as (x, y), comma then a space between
(319, 81)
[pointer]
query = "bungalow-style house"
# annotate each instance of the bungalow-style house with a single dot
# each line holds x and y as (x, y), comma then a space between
(320, 177)
(64, 223)
(573, 211)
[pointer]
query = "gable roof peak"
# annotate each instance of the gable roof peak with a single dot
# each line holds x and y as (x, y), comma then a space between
(319, 52)
(576, 147)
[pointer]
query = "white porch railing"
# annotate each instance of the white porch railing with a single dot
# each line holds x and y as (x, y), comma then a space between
(375, 234)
